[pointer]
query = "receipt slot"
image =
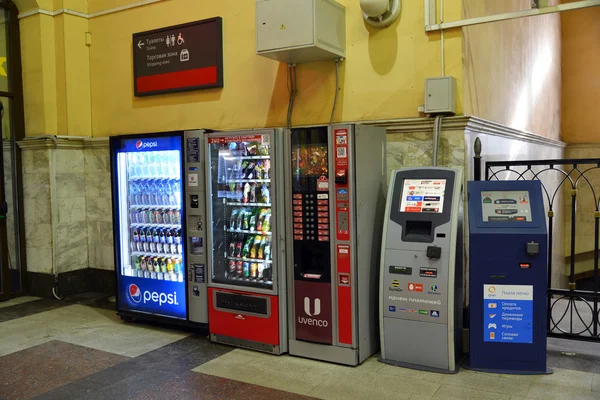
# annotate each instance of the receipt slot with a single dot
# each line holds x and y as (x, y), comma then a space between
(508, 277)
(421, 279)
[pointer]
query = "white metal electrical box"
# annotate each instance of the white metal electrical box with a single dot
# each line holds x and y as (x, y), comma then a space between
(300, 31)
(440, 95)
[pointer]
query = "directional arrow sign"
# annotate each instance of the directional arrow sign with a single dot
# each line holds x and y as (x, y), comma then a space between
(178, 58)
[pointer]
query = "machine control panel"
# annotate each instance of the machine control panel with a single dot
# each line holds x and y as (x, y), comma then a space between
(196, 236)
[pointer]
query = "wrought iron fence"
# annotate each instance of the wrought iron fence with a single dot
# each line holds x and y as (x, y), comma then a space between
(573, 312)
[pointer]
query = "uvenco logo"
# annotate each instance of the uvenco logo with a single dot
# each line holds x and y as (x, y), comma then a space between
(317, 310)
(141, 145)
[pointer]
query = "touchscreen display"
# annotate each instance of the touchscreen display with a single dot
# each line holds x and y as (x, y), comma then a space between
(509, 206)
(423, 195)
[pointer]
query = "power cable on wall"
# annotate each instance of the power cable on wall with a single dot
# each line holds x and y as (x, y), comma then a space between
(337, 90)
(292, 91)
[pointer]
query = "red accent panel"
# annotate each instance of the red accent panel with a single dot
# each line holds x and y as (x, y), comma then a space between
(247, 327)
(344, 296)
(312, 302)
(176, 80)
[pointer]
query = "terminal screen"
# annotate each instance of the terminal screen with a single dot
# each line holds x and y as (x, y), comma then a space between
(509, 206)
(423, 195)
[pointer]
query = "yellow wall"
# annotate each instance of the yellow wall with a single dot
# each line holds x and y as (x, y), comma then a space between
(512, 69)
(383, 76)
(581, 82)
(56, 72)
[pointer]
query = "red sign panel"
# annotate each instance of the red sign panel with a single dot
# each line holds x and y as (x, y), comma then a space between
(344, 294)
(179, 58)
(312, 303)
(415, 287)
(232, 139)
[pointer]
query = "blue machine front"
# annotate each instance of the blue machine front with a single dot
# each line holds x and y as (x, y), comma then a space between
(507, 285)
(153, 296)
(150, 239)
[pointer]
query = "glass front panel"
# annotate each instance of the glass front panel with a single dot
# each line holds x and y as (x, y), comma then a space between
(152, 265)
(242, 224)
(310, 204)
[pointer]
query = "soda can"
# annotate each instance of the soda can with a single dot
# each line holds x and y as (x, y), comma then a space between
(246, 269)
(239, 268)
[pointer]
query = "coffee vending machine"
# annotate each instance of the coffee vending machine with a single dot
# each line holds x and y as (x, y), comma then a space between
(335, 197)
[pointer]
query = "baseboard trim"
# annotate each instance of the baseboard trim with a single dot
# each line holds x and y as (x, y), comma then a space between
(71, 283)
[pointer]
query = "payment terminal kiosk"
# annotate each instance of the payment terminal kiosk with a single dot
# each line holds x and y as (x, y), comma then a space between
(421, 278)
(508, 277)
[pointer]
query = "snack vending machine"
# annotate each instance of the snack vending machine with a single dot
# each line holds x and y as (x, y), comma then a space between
(158, 230)
(336, 187)
(246, 295)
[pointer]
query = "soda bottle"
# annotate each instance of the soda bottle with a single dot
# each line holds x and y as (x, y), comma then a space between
(162, 236)
(169, 236)
(179, 270)
(138, 263)
(142, 240)
(170, 217)
(177, 241)
(158, 217)
(132, 194)
(177, 216)
(177, 193)
(136, 235)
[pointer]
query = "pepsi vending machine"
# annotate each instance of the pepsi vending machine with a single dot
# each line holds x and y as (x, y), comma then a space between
(158, 226)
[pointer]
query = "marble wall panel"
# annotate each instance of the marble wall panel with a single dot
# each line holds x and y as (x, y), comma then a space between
(99, 207)
(70, 219)
(36, 205)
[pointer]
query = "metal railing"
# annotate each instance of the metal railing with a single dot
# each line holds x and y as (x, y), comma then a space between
(572, 311)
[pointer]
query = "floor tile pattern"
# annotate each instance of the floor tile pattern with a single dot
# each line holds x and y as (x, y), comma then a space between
(50, 365)
(79, 348)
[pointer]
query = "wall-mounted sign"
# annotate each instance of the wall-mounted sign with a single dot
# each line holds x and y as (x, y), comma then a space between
(179, 58)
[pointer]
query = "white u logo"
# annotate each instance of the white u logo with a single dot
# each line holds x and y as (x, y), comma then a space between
(307, 307)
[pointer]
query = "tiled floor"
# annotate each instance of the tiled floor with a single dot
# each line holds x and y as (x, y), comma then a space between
(79, 349)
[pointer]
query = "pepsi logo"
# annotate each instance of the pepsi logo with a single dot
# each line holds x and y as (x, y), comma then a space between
(139, 144)
(135, 294)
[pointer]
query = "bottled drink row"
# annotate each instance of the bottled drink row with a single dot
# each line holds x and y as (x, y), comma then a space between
(250, 169)
(243, 149)
(249, 271)
(154, 164)
(161, 268)
(148, 216)
(155, 192)
(249, 192)
(156, 240)
(244, 219)
(255, 247)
